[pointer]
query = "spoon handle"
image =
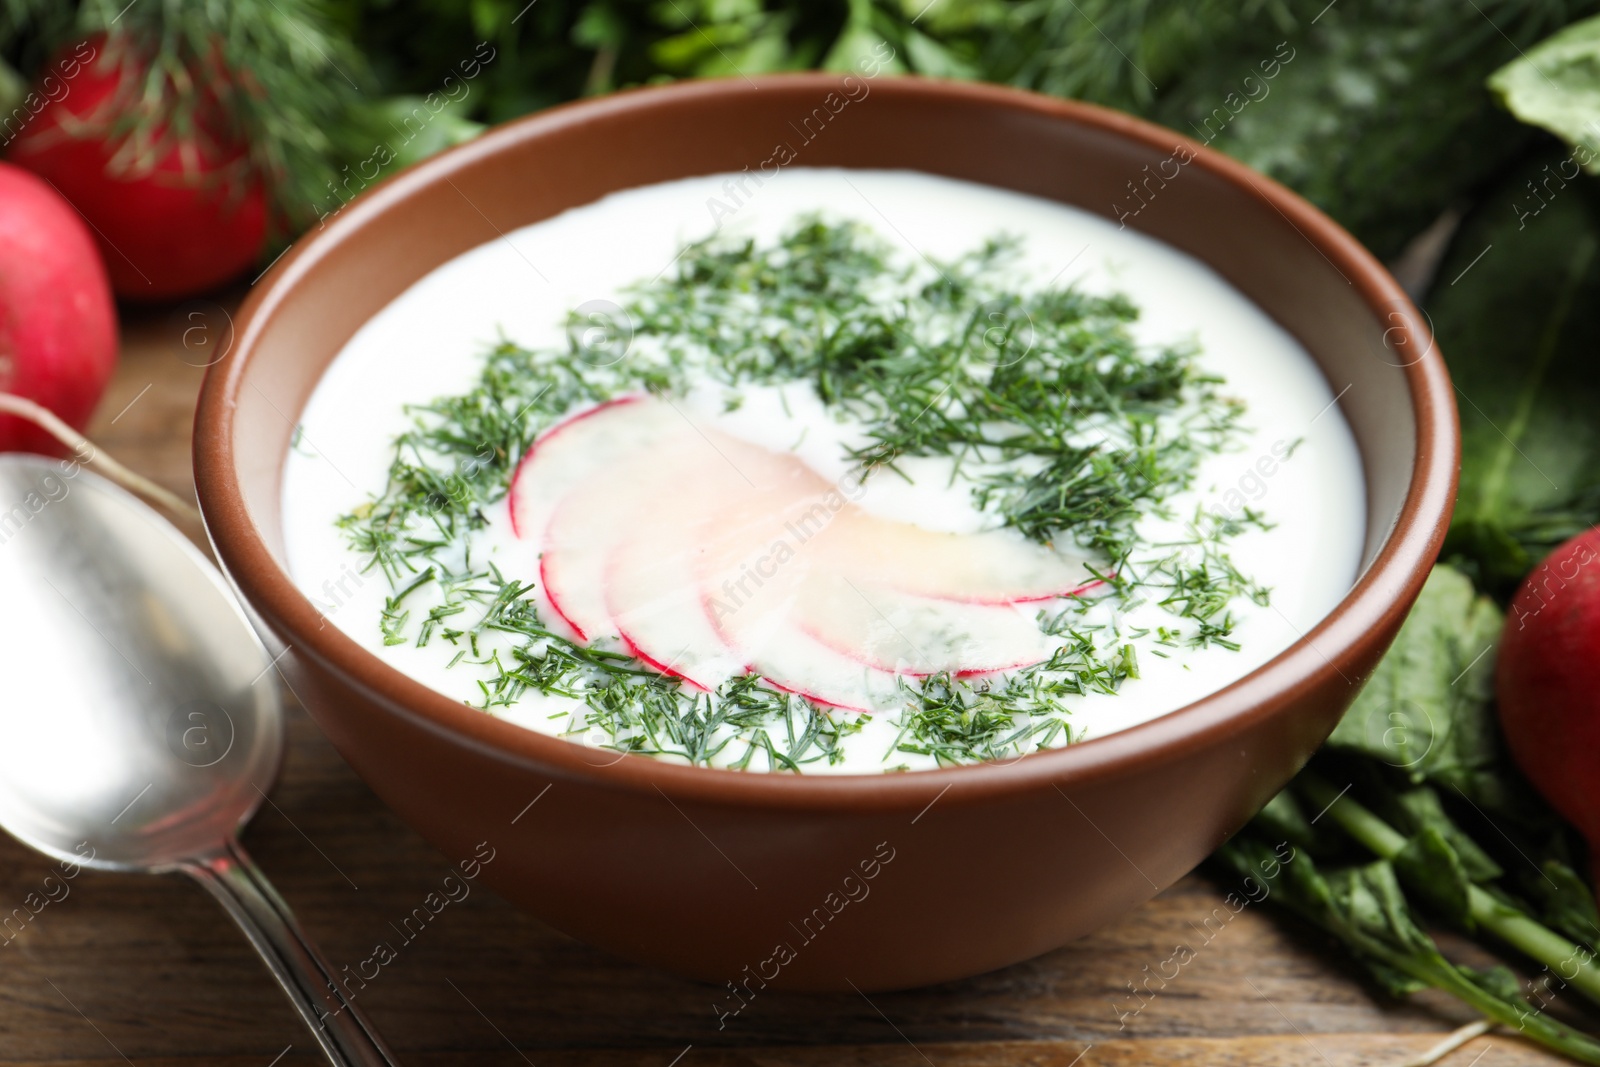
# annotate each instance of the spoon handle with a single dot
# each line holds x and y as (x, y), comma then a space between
(343, 1032)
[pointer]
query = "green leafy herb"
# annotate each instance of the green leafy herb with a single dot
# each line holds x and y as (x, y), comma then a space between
(1556, 86)
(1375, 110)
(1418, 819)
(1426, 709)
(1064, 425)
(1366, 909)
(290, 86)
(1510, 311)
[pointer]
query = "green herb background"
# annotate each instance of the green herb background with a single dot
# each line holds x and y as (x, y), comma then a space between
(1478, 122)
(1381, 118)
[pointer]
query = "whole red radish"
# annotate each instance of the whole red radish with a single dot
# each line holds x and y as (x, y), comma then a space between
(176, 207)
(58, 326)
(1548, 681)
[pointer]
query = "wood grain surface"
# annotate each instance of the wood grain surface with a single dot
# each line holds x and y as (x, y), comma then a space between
(148, 971)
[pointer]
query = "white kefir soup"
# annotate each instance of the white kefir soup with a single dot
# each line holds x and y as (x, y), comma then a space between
(844, 471)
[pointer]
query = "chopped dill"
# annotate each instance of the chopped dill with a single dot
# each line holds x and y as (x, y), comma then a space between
(1065, 426)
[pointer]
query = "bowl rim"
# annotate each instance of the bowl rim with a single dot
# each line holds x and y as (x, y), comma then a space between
(1392, 579)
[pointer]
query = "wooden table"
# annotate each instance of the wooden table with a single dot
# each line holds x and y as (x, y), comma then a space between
(147, 970)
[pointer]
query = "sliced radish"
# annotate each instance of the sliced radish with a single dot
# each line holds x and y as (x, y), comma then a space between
(806, 667)
(763, 627)
(591, 520)
(577, 541)
(577, 489)
(708, 556)
(717, 524)
(652, 593)
(577, 449)
(897, 631)
(750, 588)
(992, 567)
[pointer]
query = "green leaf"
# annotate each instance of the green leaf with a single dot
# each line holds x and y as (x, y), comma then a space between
(1369, 120)
(13, 89)
(598, 26)
(1423, 811)
(1433, 867)
(1381, 116)
(1366, 907)
(1425, 710)
(1344, 906)
(1369, 899)
(1565, 900)
(416, 127)
(1498, 981)
(1556, 86)
(927, 56)
(1330, 902)
(1514, 312)
(1282, 817)
(861, 47)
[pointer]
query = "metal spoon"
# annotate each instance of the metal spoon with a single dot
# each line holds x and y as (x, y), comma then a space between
(140, 720)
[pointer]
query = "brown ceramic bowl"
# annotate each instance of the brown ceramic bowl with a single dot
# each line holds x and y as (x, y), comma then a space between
(749, 877)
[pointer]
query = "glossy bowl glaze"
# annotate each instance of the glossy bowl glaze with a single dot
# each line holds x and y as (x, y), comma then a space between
(822, 882)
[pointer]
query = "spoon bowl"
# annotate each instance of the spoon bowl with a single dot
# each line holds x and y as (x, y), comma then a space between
(142, 722)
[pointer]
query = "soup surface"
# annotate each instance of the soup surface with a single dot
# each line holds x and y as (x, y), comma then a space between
(841, 471)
